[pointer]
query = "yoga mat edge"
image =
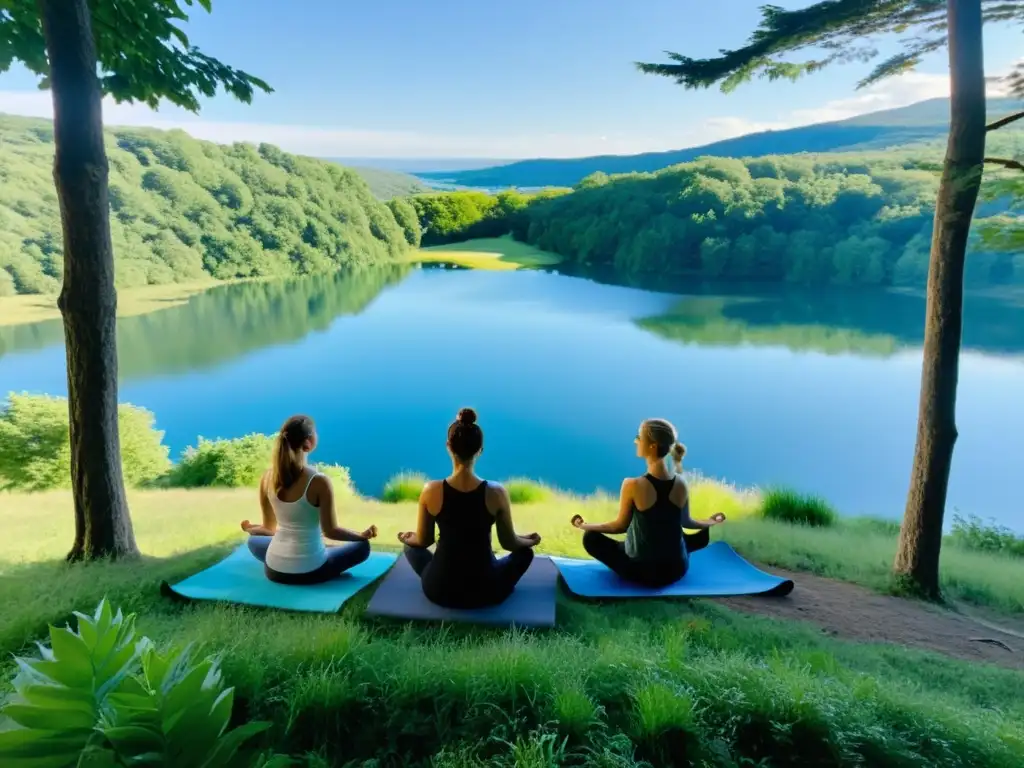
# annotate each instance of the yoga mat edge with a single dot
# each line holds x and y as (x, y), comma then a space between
(715, 571)
(239, 579)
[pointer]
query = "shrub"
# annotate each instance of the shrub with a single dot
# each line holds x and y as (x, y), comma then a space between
(35, 444)
(100, 696)
(708, 497)
(789, 506)
(237, 463)
(972, 532)
(405, 486)
(521, 491)
(340, 478)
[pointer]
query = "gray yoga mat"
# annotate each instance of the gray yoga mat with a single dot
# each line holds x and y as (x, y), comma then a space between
(400, 596)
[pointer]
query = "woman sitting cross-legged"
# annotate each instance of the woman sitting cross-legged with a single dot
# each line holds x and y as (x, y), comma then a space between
(463, 572)
(298, 506)
(653, 510)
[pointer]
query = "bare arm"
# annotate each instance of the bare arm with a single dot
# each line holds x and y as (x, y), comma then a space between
(621, 521)
(321, 494)
(507, 536)
(688, 522)
(424, 534)
(269, 525)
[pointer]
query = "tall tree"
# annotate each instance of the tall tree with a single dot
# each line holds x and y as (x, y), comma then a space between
(133, 50)
(840, 31)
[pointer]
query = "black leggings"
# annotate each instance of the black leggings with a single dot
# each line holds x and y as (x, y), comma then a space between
(613, 554)
(493, 588)
(339, 560)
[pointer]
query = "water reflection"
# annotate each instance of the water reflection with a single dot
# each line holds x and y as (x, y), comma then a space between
(225, 322)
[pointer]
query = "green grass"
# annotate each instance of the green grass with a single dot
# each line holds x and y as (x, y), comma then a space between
(405, 486)
(788, 506)
(494, 253)
(523, 491)
(638, 683)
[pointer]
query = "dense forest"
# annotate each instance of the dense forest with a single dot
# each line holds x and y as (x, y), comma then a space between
(853, 219)
(923, 122)
(182, 209)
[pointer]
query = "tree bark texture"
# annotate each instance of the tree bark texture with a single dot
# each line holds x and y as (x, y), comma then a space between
(88, 300)
(917, 559)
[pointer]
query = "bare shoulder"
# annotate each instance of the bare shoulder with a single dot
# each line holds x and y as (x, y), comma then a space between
(320, 484)
(680, 491)
(630, 484)
(496, 494)
(431, 495)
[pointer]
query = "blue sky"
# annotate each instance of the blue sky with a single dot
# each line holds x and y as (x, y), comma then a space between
(464, 78)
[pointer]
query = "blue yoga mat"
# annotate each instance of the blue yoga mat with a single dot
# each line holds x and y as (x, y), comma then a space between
(715, 571)
(239, 578)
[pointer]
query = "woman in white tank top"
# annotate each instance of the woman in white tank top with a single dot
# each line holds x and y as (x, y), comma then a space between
(298, 512)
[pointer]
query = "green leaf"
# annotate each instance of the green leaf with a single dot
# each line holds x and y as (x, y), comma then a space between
(26, 742)
(59, 697)
(132, 740)
(71, 653)
(220, 713)
(49, 719)
(87, 629)
(231, 742)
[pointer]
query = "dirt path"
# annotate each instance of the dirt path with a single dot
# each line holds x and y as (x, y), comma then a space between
(850, 612)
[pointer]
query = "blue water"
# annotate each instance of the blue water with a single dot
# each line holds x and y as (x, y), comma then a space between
(816, 391)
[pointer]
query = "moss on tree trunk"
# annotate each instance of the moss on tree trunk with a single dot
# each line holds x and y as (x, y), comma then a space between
(88, 301)
(917, 559)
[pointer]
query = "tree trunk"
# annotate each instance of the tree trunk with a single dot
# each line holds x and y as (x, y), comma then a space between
(917, 559)
(88, 301)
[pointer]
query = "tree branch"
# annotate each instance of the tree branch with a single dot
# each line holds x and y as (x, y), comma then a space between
(1004, 121)
(1015, 165)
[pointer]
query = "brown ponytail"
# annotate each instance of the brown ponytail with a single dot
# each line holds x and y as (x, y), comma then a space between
(663, 436)
(286, 466)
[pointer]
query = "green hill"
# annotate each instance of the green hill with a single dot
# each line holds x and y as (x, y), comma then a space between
(386, 184)
(184, 209)
(924, 121)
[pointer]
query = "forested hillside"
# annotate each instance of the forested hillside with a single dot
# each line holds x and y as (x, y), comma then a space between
(182, 209)
(921, 122)
(386, 184)
(858, 219)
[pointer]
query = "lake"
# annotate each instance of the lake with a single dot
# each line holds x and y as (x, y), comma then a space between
(812, 389)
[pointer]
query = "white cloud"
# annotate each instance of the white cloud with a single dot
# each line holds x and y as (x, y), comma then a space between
(345, 142)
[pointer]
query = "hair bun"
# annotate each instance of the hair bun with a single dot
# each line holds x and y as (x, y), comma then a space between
(466, 416)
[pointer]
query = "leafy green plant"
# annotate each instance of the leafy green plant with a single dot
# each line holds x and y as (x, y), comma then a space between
(100, 696)
(35, 444)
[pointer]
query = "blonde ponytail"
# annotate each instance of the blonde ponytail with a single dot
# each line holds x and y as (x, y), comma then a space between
(678, 451)
(286, 465)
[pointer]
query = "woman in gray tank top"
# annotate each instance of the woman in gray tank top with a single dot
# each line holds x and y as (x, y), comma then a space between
(653, 511)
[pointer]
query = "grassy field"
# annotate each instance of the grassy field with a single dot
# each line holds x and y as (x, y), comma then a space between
(628, 684)
(15, 310)
(496, 253)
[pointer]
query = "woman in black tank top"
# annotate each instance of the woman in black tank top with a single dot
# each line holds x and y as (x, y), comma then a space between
(463, 571)
(653, 510)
